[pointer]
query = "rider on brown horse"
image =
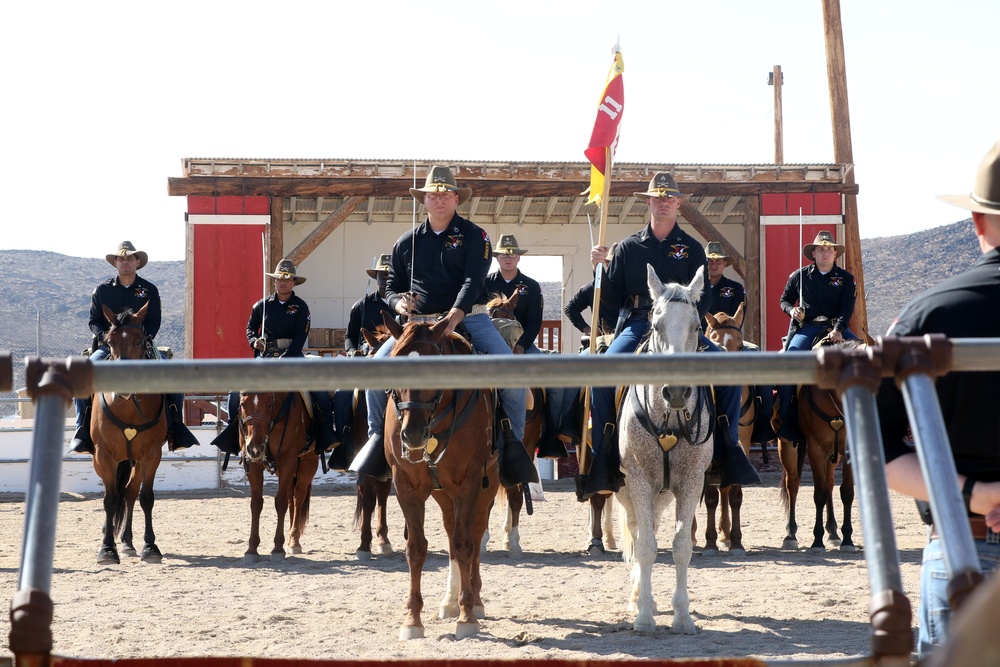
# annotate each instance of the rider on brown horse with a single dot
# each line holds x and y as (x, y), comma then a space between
(279, 327)
(128, 290)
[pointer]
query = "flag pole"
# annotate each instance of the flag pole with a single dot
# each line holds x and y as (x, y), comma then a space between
(583, 453)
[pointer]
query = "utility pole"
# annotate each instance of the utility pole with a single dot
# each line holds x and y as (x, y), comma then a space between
(776, 78)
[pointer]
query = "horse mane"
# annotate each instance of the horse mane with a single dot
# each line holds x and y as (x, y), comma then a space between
(123, 318)
(412, 334)
(498, 301)
(676, 292)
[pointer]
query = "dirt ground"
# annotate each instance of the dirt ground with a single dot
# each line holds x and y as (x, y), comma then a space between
(553, 602)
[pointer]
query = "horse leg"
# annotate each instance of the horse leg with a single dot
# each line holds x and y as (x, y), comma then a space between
(255, 476)
(608, 524)
(131, 492)
(847, 498)
(464, 543)
(449, 607)
(736, 532)
(108, 553)
(382, 490)
(416, 555)
(282, 497)
(364, 509)
(725, 519)
(644, 550)
(822, 474)
(597, 507)
(115, 477)
(790, 481)
(686, 499)
(150, 552)
(307, 466)
(480, 522)
(712, 497)
(832, 533)
(512, 536)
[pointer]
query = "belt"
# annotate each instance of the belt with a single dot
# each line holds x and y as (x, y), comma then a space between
(639, 312)
(424, 318)
(283, 343)
(479, 309)
(980, 531)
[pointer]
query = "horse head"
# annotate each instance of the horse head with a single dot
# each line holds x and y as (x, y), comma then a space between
(673, 324)
(375, 339)
(501, 306)
(726, 331)
(257, 415)
(126, 338)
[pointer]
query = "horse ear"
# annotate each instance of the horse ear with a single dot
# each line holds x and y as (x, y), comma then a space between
(696, 285)
(512, 301)
(713, 322)
(438, 329)
(656, 288)
(109, 314)
(740, 314)
(392, 325)
(369, 338)
(141, 315)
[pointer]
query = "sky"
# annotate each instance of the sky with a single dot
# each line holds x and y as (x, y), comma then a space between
(104, 100)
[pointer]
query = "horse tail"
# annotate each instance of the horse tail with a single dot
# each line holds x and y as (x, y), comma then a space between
(302, 518)
(122, 476)
(359, 506)
(628, 539)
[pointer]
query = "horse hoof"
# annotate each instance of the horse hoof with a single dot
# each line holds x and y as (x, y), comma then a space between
(448, 611)
(610, 544)
(463, 630)
(363, 556)
(848, 548)
(684, 627)
(108, 557)
(411, 632)
(277, 556)
(479, 611)
(515, 551)
(250, 559)
(296, 550)
(645, 625)
(790, 545)
(385, 549)
(738, 552)
(151, 554)
(129, 550)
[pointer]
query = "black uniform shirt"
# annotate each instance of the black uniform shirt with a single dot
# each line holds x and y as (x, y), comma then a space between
(449, 268)
(365, 314)
(583, 300)
(675, 259)
(963, 306)
(281, 320)
(727, 296)
(117, 297)
(528, 311)
(831, 295)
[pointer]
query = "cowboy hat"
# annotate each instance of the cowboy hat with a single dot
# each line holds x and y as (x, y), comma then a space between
(662, 185)
(381, 263)
(286, 270)
(126, 249)
(440, 179)
(508, 246)
(826, 239)
(985, 195)
(714, 250)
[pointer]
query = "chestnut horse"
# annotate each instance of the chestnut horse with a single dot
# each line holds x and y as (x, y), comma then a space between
(440, 443)
(128, 433)
(273, 428)
(371, 493)
(727, 332)
(821, 420)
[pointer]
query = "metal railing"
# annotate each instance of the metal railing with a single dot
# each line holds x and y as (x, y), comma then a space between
(854, 374)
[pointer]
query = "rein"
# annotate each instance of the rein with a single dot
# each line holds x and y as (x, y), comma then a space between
(283, 414)
(836, 424)
(131, 430)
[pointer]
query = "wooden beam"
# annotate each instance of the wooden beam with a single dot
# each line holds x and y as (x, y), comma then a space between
(751, 244)
(709, 233)
(727, 210)
(275, 233)
(498, 208)
(525, 203)
(325, 228)
(575, 208)
(550, 208)
(843, 151)
(779, 141)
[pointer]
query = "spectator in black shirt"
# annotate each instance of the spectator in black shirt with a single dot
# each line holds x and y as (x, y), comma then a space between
(128, 290)
(366, 313)
(964, 306)
(509, 279)
(727, 294)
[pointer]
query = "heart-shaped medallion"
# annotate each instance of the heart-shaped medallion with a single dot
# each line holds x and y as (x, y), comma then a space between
(667, 441)
(129, 433)
(432, 444)
(837, 424)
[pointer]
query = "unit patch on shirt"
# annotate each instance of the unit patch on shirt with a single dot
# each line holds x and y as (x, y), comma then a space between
(727, 292)
(454, 241)
(836, 281)
(678, 251)
(141, 292)
(292, 309)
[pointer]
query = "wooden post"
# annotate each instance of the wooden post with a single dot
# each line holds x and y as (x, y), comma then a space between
(843, 153)
(275, 234)
(779, 143)
(751, 246)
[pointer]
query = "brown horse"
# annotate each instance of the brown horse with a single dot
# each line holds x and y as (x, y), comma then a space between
(821, 420)
(371, 493)
(273, 428)
(128, 433)
(441, 444)
(727, 332)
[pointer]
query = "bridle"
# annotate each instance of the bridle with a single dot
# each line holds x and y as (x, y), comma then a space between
(271, 419)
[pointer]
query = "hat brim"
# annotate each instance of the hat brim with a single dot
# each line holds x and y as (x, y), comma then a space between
(807, 249)
(968, 203)
(657, 195)
(298, 279)
(508, 251)
(729, 260)
(143, 258)
(463, 193)
(373, 273)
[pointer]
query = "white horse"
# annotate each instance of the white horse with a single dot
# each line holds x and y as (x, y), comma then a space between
(665, 431)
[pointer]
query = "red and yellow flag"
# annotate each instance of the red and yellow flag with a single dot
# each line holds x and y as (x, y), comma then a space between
(604, 138)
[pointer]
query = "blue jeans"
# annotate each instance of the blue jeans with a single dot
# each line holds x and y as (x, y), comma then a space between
(80, 404)
(727, 399)
(485, 339)
(934, 610)
(558, 400)
(802, 341)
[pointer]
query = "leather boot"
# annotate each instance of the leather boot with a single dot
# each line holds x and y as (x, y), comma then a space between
(551, 447)
(340, 458)
(605, 476)
(178, 434)
(82, 442)
(371, 459)
(736, 467)
(516, 466)
(325, 437)
(788, 413)
(228, 441)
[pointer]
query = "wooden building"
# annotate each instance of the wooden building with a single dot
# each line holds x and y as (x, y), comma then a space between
(332, 217)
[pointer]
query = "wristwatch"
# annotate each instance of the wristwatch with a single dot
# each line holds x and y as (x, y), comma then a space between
(967, 493)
